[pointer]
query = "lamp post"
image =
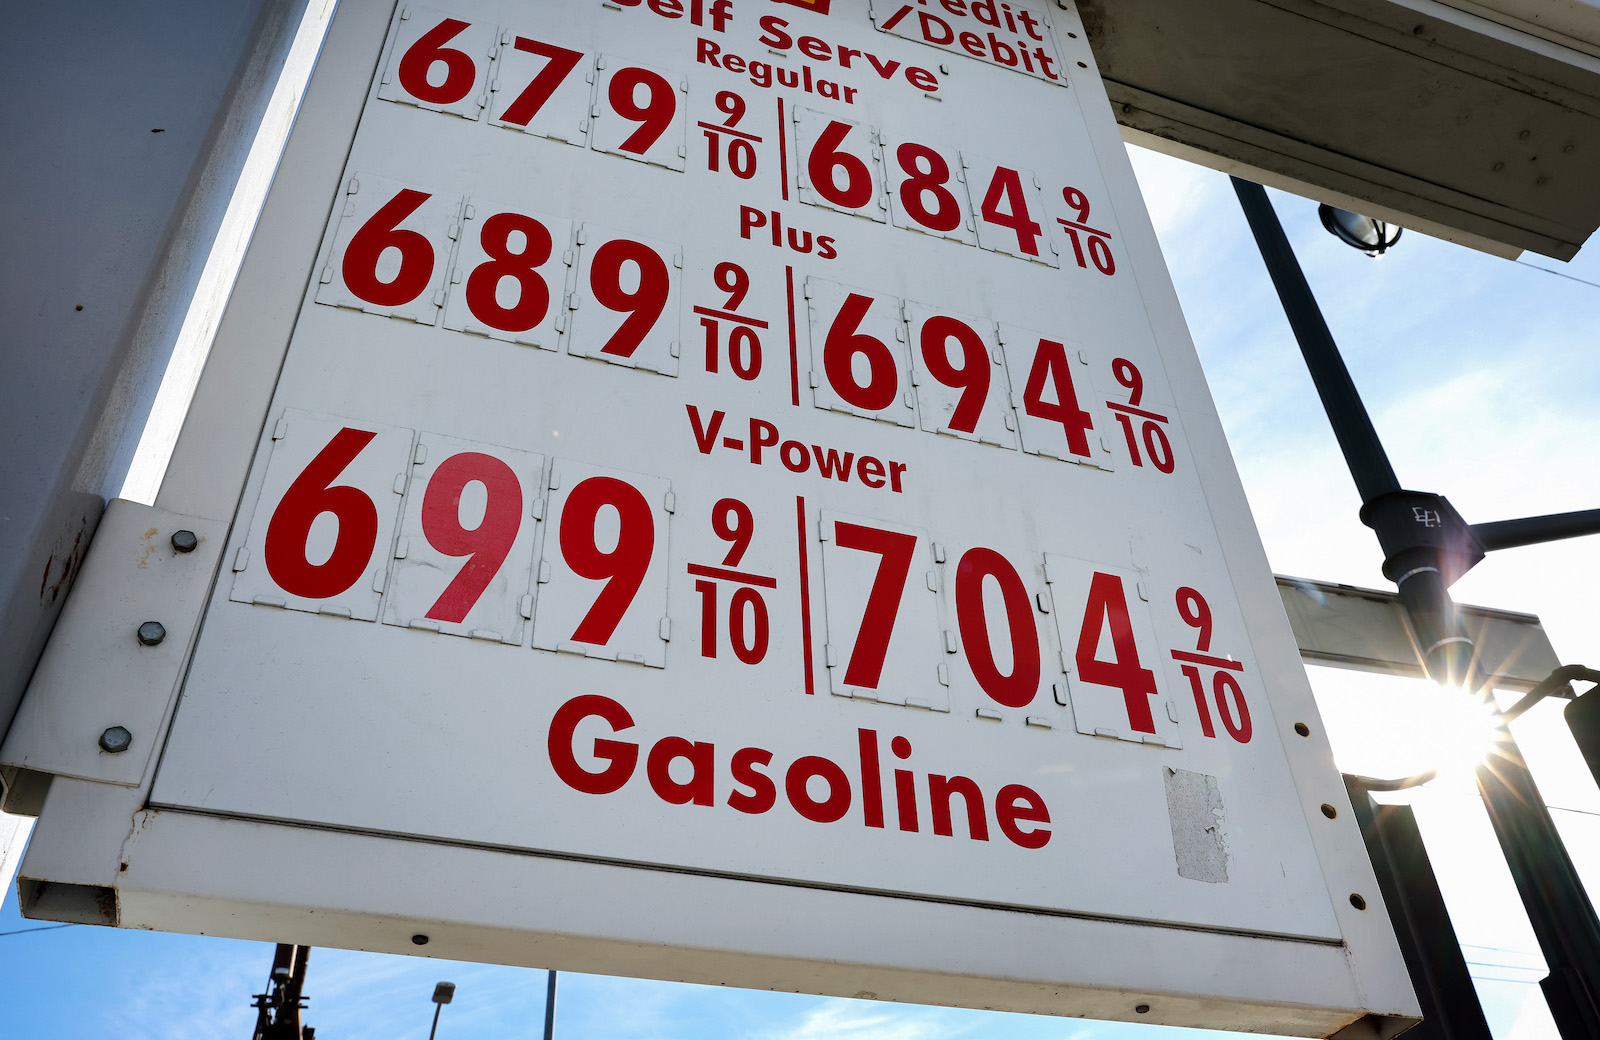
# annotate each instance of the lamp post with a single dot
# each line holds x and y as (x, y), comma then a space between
(1427, 546)
(443, 993)
(550, 1006)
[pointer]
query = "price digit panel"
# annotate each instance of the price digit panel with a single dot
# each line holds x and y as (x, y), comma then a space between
(465, 548)
(883, 613)
(439, 62)
(859, 359)
(509, 277)
(627, 313)
(329, 506)
(542, 88)
(392, 249)
(604, 580)
(1109, 648)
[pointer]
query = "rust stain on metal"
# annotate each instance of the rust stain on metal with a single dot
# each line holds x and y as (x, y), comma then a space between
(52, 590)
(105, 902)
(149, 547)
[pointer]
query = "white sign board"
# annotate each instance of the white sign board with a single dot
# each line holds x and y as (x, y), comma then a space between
(736, 440)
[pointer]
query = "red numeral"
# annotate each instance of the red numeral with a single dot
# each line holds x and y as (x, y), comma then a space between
(826, 157)
(1079, 203)
(1154, 435)
(1158, 447)
(744, 352)
(1099, 250)
(742, 158)
(1108, 606)
(1006, 188)
(429, 50)
(643, 305)
(624, 567)
(1197, 688)
(1100, 253)
(486, 545)
(1017, 689)
(748, 624)
(708, 617)
(312, 494)
(1050, 365)
(1099, 247)
(1156, 444)
(734, 524)
(946, 216)
(539, 89)
(730, 105)
(741, 155)
(896, 550)
(749, 638)
(380, 233)
(1230, 704)
(971, 377)
(653, 117)
(1196, 613)
(1127, 374)
(839, 351)
(749, 628)
(1226, 689)
(533, 294)
(744, 345)
(744, 349)
(733, 280)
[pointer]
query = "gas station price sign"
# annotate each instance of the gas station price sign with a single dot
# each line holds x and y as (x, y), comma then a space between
(734, 439)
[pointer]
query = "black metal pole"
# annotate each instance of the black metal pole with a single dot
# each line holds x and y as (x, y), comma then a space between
(1583, 718)
(1421, 921)
(550, 1007)
(1426, 546)
(1558, 907)
(1532, 530)
(1363, 451)
(293, 993)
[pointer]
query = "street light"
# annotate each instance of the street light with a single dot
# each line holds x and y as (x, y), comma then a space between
(442, 995)
(1367, 234)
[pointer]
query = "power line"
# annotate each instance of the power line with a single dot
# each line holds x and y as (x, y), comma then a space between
(41, 928)
(1559, 274)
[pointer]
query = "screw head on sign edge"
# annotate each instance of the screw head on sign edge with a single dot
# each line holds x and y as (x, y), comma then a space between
(184, 541)
(115, 740)
(152, 633)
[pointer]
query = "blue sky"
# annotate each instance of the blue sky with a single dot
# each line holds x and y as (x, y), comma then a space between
(1481, 376)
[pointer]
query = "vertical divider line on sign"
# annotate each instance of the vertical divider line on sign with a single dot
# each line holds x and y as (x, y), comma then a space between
(805, 592)
(783, 152)
(794, 343)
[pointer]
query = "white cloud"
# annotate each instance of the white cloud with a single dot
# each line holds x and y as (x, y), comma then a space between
(200, 995)
(854, 1020)
(1176, 193)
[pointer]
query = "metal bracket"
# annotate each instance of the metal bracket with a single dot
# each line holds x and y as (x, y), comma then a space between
(117, 655)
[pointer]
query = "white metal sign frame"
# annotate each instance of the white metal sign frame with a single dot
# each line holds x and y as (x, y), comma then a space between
(699, 448)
